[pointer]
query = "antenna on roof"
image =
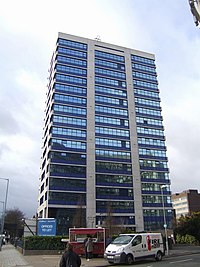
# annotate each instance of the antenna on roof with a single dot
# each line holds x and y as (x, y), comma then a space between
(98, 38)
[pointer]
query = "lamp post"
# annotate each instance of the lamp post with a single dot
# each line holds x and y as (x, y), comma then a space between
(4, 210)
(164, 218)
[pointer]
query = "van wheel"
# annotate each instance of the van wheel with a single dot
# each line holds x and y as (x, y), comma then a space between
(159, 256)
(129, 259)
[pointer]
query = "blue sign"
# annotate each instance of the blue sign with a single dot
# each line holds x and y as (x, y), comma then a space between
(46, 227)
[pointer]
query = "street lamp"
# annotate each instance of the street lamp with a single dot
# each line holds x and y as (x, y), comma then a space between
(164, 217)
(4, 210)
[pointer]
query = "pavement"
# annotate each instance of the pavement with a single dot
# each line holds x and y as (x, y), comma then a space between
(10, 257)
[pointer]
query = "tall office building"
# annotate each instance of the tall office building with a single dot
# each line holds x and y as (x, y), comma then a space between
(104, 152)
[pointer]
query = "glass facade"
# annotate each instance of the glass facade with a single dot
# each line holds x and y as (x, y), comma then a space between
(101, 102)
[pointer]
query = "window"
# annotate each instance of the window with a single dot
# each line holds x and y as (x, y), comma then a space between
(111, 91)
(113, 167)
(145, 76)
(109, 110)
(105, 179)
(70, 79)
(149, 131)
(146, 121)
(73, 44)
(109, 120)
(153, 163)
(109, 64)
(112, 57)
(146, 93)
(147, 102)
(69, 132)
(152, 152)
(72, 61)
(113, 154)
(111, 131)
(145, 84)
(69, 120)
(111, 82)
(144, 67)
(110, 73)
(71, 70)
(68, 109)
(137, 240)
(112, 143)
(68, 170)
(71, 52)
(143, 60)
(147, 111)
(62, 144)
(112, 101)
(70, 99)
(151, 142)
(70, 89)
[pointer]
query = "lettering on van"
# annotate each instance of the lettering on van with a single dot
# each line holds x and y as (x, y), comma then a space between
(152, 243)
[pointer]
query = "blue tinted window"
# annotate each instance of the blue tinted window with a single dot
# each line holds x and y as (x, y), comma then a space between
(109, 100)
(147, 121)
(152, 152)
(153, 164)
(147, 102)
(71, 70)
(111, 82)
(70, 99)
(70, 79)
(107, 90)
(68, 109)
(110, 73)
(150, 131)
(145, 84)
(113, 154)
(71, 52)
(146, 93)
(143, 59)
(72, 61)
(109, 64)
(112, 131)
(69, 120)
(68, 132)
(114, 121)
(73, 44)
(114, 111)
(68, 144)
(112, 143)
(144, 76)
(150, 141)
(111, 166)
(144, 67)
(109, 56)
(146, 111)
(70, 89)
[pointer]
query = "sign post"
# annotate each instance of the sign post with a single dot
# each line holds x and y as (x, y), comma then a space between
(46, 227)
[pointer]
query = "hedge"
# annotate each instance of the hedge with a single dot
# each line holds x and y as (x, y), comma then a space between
(43, 243)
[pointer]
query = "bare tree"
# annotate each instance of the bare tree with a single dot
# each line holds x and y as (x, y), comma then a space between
(13, 222)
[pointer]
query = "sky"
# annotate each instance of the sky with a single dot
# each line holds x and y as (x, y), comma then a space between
(28, 32)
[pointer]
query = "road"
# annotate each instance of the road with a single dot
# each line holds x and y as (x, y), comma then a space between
(192, 260)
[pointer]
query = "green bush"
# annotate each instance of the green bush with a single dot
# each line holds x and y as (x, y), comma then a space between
(43, 243)
(186, 239)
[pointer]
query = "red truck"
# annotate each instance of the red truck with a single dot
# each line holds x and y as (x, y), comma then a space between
(78, 235)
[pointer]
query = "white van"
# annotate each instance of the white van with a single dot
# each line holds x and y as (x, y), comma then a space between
(127, 248)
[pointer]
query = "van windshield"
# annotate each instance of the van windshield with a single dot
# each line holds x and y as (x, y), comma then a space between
(122, 239)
